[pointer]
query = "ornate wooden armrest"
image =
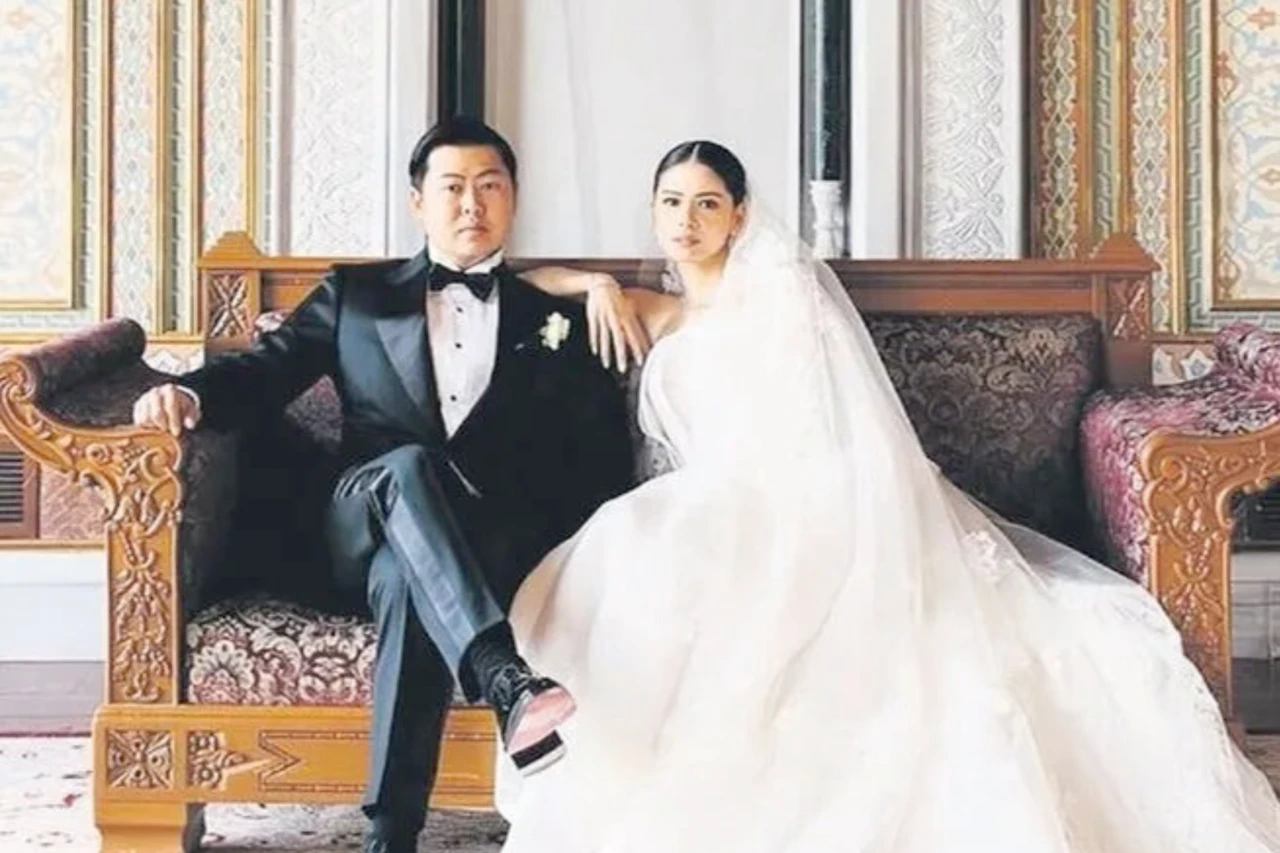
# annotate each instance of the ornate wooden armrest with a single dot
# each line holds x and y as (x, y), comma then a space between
(1162, 466)
(68, 404)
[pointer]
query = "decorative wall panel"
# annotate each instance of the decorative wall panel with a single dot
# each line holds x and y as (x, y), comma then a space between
(1246, 154)
(971, 153)
(1196, 171)
(336, 144)
(38, 101)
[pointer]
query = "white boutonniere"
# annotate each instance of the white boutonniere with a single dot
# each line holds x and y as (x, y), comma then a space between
(555, 331)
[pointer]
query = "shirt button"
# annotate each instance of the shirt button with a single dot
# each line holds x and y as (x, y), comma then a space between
(457, 346)
(459, 309)
(453, 398)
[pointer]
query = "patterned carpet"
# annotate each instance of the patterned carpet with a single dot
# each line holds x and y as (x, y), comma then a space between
(45, 806)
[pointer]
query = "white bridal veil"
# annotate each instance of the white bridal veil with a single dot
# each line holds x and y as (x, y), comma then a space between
(805, 638)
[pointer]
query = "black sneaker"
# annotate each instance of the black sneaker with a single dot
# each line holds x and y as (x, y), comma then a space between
(529, 709)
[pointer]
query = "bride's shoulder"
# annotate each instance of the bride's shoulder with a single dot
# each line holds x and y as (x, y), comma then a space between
(659, 312)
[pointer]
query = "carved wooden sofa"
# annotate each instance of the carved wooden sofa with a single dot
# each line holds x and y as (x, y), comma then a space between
(1027, 381)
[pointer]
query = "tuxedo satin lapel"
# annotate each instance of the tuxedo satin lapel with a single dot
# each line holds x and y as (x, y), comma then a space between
(402, 330)
(516, 316)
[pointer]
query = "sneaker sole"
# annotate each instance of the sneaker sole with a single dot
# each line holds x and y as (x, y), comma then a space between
(540, 756)
(537, 718)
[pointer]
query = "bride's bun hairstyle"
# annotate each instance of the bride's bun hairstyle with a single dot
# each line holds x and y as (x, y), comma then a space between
(715, 157)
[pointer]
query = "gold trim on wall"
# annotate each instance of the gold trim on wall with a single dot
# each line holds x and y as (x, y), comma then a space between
(1085, 151)
(195, 158)
(250, 56)
(1213, 186)
(72, 240)
(162, 178)
(1177, 165)
(106, 140)
(1122, 119)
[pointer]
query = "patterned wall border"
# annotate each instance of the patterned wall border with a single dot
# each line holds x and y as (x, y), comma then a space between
(176, 44)
(1157, 149)
(1112, 92)
(1062, 130)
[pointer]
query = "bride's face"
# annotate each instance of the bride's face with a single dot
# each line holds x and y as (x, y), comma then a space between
(693, 214)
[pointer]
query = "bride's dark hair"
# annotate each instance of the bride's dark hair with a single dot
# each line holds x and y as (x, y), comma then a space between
(715, 157)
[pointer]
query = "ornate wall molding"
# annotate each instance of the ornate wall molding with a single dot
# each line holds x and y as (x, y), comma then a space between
(73, 256)
(970, 130)
(1178, 98)
(1243, 155)
(40, 128)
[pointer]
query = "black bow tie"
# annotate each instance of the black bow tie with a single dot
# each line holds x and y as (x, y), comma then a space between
(480, 284)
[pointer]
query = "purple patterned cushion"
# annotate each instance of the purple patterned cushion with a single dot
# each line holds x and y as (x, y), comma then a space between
(996, 401)
(1115, 423)
(1250, 351)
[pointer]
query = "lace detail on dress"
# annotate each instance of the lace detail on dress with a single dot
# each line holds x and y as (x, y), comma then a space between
(990, 564)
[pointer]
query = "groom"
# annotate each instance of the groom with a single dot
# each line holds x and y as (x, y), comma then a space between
(478, 432)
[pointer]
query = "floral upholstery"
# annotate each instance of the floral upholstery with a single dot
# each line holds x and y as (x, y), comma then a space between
(996, 402)
(265, 652)
(1230, 400)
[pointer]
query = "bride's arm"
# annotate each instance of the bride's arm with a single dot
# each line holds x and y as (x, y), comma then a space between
(566, 282)
(617, 333)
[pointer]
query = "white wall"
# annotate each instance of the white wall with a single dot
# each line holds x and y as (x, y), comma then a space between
(52, 605)
(593, 93)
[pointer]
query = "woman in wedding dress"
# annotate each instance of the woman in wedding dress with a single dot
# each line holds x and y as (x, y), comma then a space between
(805, 639)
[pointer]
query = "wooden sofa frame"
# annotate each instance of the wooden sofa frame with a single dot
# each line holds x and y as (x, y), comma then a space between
(158, 759)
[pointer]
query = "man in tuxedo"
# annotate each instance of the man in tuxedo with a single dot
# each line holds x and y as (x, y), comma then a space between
(478, 432)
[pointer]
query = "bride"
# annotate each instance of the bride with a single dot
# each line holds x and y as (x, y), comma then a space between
(805, 639)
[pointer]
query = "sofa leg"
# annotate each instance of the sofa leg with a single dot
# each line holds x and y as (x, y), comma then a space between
(140, 827)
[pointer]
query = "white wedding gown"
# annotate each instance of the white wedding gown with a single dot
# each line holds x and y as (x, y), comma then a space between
(804, 639)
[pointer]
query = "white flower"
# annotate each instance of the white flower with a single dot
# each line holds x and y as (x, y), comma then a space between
(555, 331)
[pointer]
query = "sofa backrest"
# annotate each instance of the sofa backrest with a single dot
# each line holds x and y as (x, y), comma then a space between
(993, 359)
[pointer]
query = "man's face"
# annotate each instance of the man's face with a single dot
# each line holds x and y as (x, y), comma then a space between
(466, 202)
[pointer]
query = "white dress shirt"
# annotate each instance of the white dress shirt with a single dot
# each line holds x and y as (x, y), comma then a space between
(463, 332)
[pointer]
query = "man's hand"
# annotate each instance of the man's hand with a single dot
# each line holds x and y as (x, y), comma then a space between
(617, 334)
(167, 407)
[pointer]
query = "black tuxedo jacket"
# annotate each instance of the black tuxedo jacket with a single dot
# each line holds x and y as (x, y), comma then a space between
(543, 447)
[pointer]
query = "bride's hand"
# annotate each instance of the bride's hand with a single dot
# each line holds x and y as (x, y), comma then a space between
(617, 335)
